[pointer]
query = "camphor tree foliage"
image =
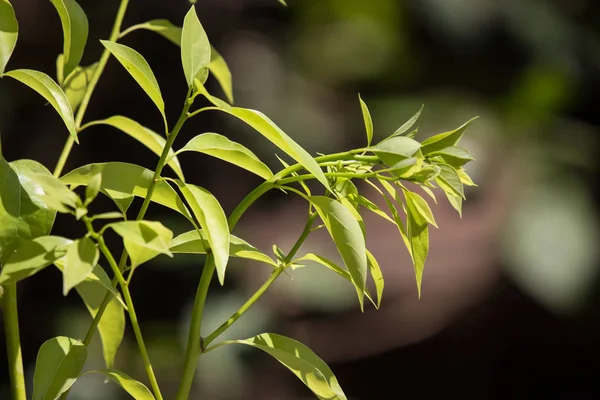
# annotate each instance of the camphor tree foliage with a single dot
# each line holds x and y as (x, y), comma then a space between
(31, 196)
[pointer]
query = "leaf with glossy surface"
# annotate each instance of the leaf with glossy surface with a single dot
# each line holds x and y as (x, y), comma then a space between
(135, 389)
(303, 363)
(408, 124)
(221, 147)
(275, 135)
(139, 69)
(212, 219)
(80, 260)
(143, 240)
(347, 234)
(195, 47)
(195, 242)
(367, 119)
(396, 149)
(75, 32)
(22, 215)
(49, 191)
(122, 181)
(59, 362)
(32, 256)
(50, 91)
(443, 140)
(9, 31)
(152, 140)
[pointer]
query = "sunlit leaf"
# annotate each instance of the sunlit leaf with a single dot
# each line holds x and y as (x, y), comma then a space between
(135, 389)
(418, 236)
(195, 242)
(419, 208)
(212, 219)
(299, 359)
(367, 119)
(465, 178)
(152, 140)
(348, 236)
(453, 155)
(443, 140)
(50, 91)
(122, 181)
(396, 149)
(408, 124)
(139, 69)
(32, 256)
(9, 31)
(59, 362)
(220, 70)
(75, 32)
(22, 216)
(221, 147)
(369, 205)
(200, 88)
(75, 84)
(143, 240)
(165, 28)
(449, 181)
(82, 256)
(195, 47)
(376, 275)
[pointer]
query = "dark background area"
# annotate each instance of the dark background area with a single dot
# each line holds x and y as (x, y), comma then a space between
(522, 321)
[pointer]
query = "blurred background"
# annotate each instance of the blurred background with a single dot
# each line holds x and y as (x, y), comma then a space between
(509, 307)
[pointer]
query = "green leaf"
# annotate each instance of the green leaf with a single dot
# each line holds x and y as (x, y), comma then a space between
(220, 70)
(108, 215)
(455, 201)
(122, 181)
(195, 242)
(212, 219)
(273, 133)
(395, 215)
(347, 234)
(9, 31)
(449, 181)
(32, 256)
(368, 121)
(75, 32)
(418, 236)
(145, 136)
(419, 208)
(76, 83)
(396, 149)
(453, 155)
(408, 124)
(139, 69)
(143, 240)
(59, 362)
(299, 359)
(163, 27)
(135, 389)
(443, 140)
(22, 215)
(377, 276)
(465, 178)
(80, 260)
(195, 47)
(221, 147)
(369, 205)
(93, 188)
(50, 91)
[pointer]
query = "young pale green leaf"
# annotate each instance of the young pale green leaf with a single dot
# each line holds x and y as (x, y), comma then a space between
(163, 27)
(59, 362)
(453, 155)
(108, 215)
(369, 205)
(221, 147)
(455, 201)
(368, 121)
(82, 256)
(408, 124)
(135, 389)
(200, 88)
(220, 70)
(195, 242)
(32, 256)
(406, 167)
(430, 193)
(50, 91)
(419, 208)
(9, 31)
(427, 173)
(22, 215)
(392, 194)
(348, 236)
(152, 140)
(377, 276)
(212, 219)
(122, 181)
(449, 181)
(299, 359)
(145, 239)
(76, 83)
(139, 69)
(93, 188)
(195, 47)
(418, 236)
(465, 178)
(75, 32)
(396, 149)
(273, 133)
(443, 140)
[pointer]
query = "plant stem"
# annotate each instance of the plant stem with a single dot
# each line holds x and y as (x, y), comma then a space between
(114, 34)
(132, 316)
(13, 341)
